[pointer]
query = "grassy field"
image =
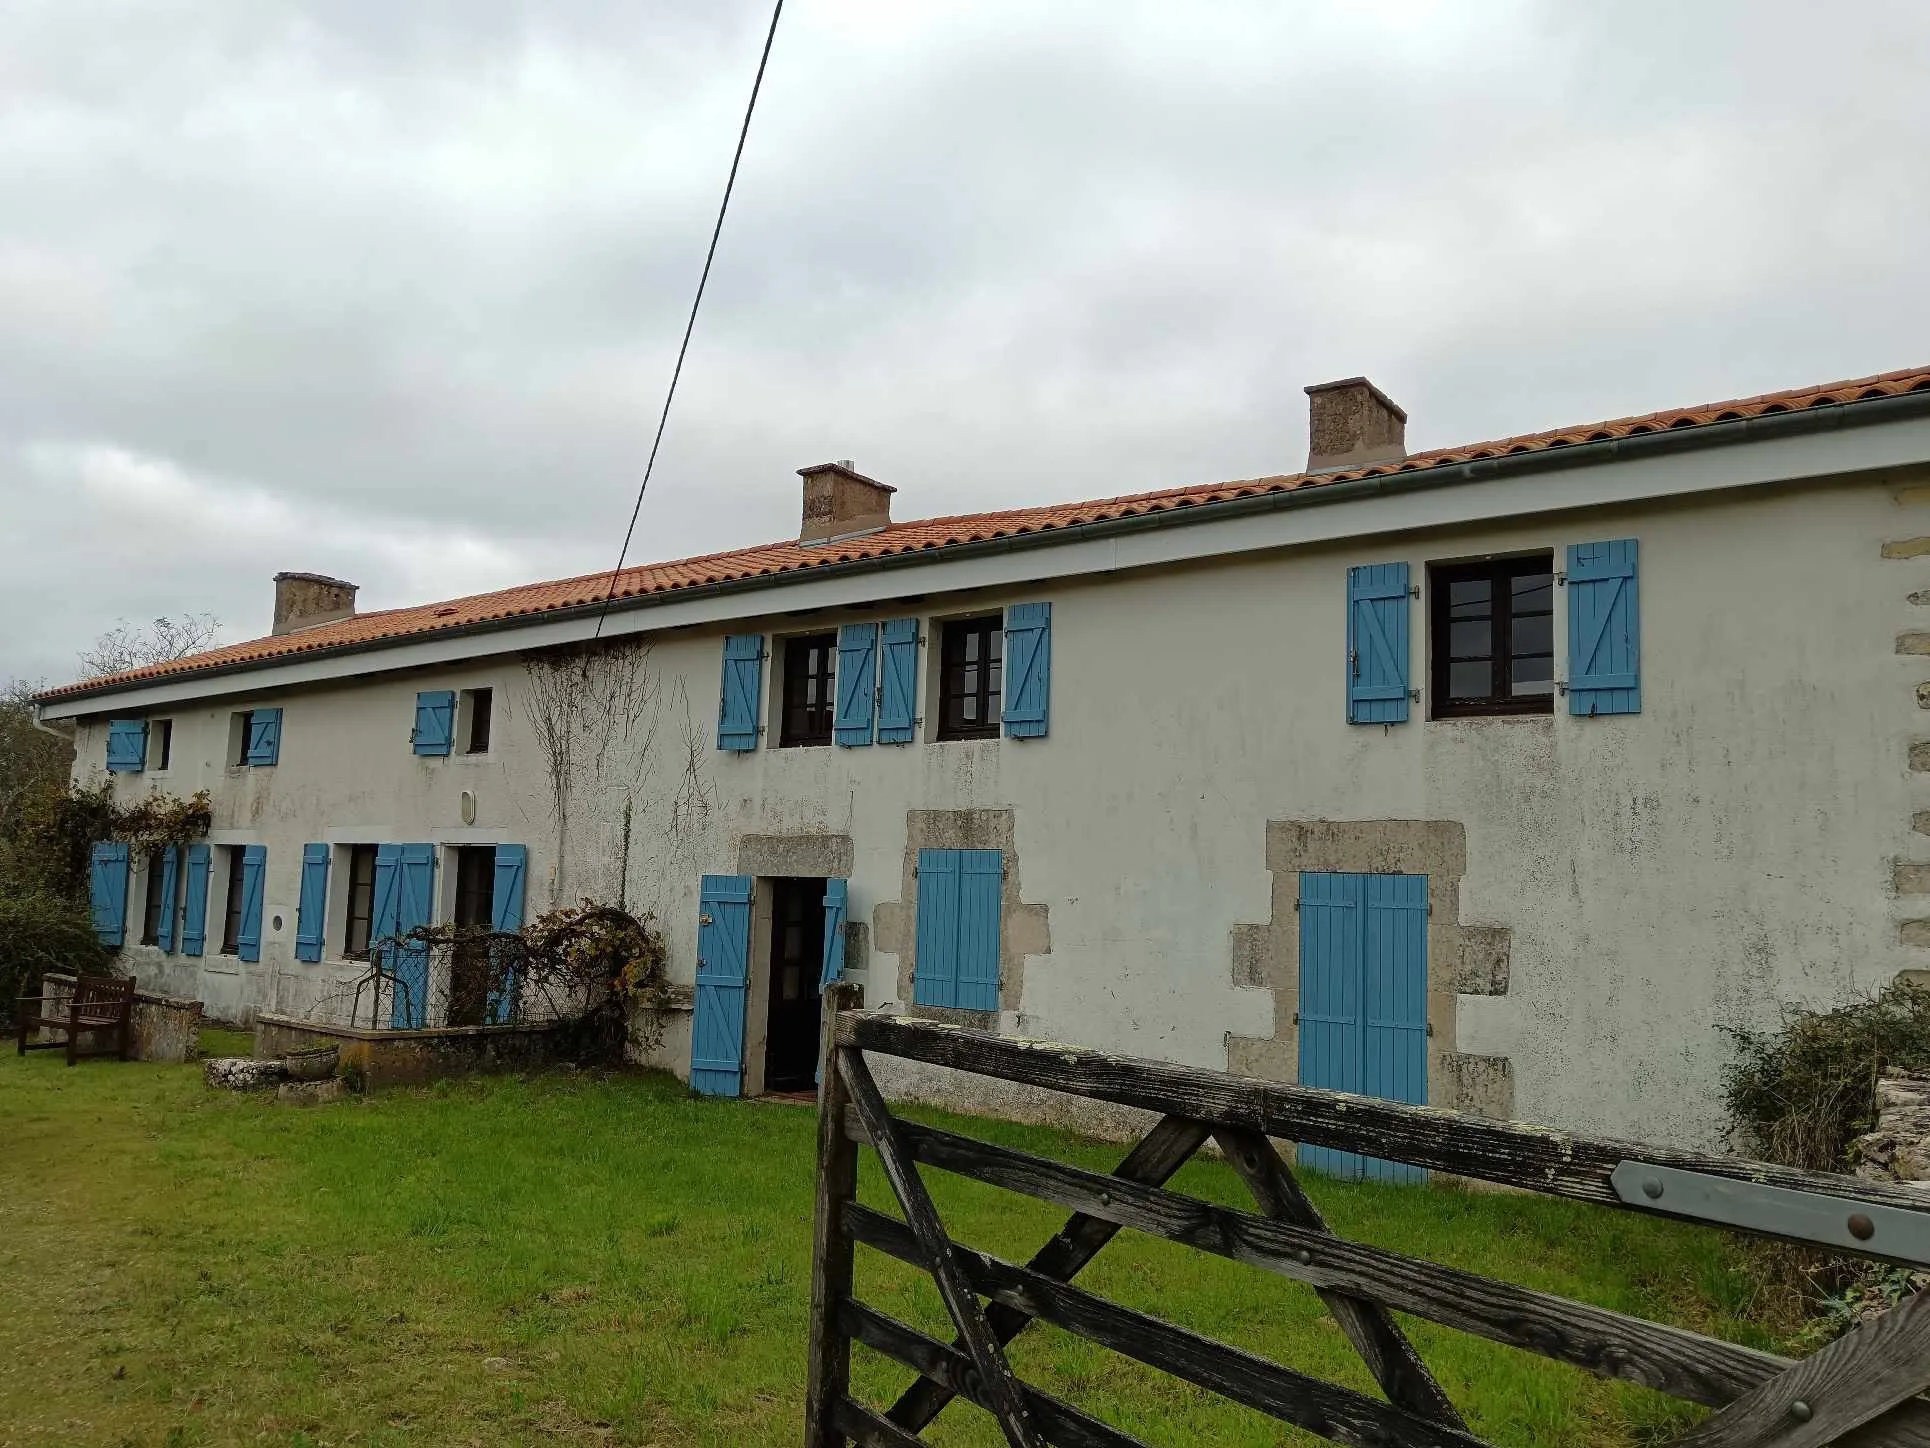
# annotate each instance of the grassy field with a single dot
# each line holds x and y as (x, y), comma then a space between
(569, 1259)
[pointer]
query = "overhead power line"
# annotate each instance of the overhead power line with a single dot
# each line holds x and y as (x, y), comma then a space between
(663, 418)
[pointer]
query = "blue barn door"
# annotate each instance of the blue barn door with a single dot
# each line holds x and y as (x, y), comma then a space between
(723, 984)
(1363, 1000)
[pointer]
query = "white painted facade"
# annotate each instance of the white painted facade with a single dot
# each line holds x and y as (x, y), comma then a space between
(1732, 847)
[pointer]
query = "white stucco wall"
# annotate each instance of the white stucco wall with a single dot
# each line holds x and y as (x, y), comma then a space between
(1728, 849)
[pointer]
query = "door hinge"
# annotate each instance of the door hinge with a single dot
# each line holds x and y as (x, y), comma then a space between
(1296, 1018)
(1430, 1030)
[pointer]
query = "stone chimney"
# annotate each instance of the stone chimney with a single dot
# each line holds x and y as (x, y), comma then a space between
(840, 501)
(1351, 423)
(303, 600)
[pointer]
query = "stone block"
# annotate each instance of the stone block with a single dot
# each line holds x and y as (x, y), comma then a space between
(1913, 642)
(1911, 879)
(1906, 548)
(310, 1093)
(1920, 756)
(1913, 932)
(241, 1073)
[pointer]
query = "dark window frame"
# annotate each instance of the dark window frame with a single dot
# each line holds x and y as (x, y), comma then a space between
(153, 906)
(231, 910)
(161, 734)
(247, 718)
(482, 708)
(806, 722)
(361, 893)
(969, 674)
(475, 899)
(1500, 700)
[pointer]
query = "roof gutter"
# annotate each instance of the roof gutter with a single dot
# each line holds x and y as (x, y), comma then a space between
(1768, 427)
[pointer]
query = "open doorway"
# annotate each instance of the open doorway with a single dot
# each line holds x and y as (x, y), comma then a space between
(797, 959)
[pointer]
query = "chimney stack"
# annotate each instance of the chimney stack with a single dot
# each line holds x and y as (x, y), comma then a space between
(840, 501)
(1351, 423)
(303, 600)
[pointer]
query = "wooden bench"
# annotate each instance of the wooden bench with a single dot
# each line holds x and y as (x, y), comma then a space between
(100, 1006)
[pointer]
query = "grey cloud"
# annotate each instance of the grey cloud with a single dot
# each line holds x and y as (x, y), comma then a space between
(393, 291)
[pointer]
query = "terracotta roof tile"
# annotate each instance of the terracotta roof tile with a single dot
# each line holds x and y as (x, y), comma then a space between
(935, 534)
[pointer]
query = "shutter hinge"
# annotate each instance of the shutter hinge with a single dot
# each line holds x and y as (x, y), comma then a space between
(1296, 907)
(1561, 580)
(1430, 1030)
(1296, 1018)
(1414, 696)
(1413, 590)
(1561, 687)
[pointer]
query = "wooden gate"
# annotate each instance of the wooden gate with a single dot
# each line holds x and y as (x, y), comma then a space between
(1861, 1389)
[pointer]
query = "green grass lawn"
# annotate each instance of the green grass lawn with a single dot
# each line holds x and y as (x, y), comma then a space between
(575, 1259)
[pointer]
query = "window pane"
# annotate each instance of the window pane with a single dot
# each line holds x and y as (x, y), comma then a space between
(1468, 597)
(1533, 635)
(1469, 681)
(1534, 676)
(1470, 640)
(1534, 592)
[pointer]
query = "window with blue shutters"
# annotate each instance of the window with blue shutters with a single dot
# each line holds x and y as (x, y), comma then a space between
(194, 901)
(311, 911)
(1377, 644)
(107, 891)
(741, 695)
(957, 951)
(1028, 670)
(435, 722)
(857, 684)
(1604, 629)
(1363, 999)
(897, 680)
(169, 886)
(260, 731)
(126, 746)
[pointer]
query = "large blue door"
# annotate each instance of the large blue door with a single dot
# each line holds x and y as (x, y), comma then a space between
(723, 983)
(1363, 1000)
(405, 897)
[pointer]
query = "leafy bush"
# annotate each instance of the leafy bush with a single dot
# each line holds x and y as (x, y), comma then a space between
(42, 931)
(61, 827)
(1801, 1093)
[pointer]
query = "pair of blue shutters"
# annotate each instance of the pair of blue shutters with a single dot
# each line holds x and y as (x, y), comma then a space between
(877, 681)
(126, 746)
(724, 976)
(1604, 635)
(1363, 1000)
(957, 962)
(405, 898)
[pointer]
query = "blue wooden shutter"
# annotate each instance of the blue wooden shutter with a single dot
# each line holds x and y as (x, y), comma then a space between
(1604, 629)
(506, 917)
(170, 866)
(742, 694)
(1394, 1003)
(981, 877)
(414, 895)
(1331, 906)
(194, 905)
(107, 891)
(126, 746)
(254, 870)
(1028, 669)
(311, 913)
(435, 721)
(1377, 644)
(857, 684)
(935, 967)
(898, 681)
(264, 736)
(836, 900)
(723, 981)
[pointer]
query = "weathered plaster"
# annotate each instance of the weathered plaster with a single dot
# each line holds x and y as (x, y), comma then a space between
(795, 857)
(1023, 929)
(1461, 959)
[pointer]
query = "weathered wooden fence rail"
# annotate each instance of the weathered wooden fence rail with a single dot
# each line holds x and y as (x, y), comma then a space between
(1862, 1389)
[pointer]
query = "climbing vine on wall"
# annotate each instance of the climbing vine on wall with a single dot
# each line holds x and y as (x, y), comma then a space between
(62, 829)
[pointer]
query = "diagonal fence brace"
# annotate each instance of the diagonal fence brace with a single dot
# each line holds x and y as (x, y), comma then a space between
(1003, 1395)
(1160, 1153)
(1389, 1355)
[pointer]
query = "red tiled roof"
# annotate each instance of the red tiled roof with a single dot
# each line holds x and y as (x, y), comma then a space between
(933, 535)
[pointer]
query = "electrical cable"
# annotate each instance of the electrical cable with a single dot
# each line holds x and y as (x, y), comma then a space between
(663, 419)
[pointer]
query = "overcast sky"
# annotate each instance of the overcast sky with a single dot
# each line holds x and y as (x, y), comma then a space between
(392, 290)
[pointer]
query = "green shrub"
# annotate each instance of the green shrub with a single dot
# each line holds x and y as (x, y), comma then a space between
(40, 930)
(1801, 1093)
